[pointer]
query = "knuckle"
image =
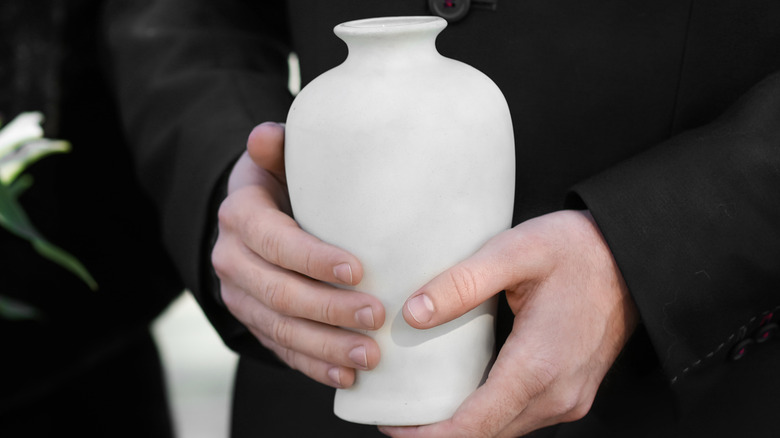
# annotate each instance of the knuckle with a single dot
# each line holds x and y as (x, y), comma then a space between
(276, 296)
(325, 349)
(577, 413)
(329, 311)
(265, 321)
(267, 343)
(221, 261)
(310, 368)
(467, 427)
(271, 246)
(315, 258)
(566, 403)
(307, 262)
(464, 283)
(244, 307)
(331, 352)
(226, 213)
(290, 357)
(228, 298)
(296, 360)
(575, 408)
(564, 406)
(282, 332)
(306, 258)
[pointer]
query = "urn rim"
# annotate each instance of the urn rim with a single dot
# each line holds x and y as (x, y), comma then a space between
(391, 25)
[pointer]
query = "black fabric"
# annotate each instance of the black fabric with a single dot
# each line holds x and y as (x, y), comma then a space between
(121, 394)
(640, 112)
(264, 391)
(682, 272)
(31, 54)
(187, 74)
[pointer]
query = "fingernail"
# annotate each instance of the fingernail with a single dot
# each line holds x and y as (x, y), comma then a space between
(365, 317)
(343, 273)
(358, 355)
(421, 308)
(335, 375)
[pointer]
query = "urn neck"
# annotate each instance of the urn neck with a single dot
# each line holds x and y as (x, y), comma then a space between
(383, 38)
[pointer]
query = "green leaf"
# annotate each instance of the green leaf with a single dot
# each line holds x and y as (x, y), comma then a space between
(64, 259)
(13, 218)
(17, 310)
(19, 185)
(21, 144)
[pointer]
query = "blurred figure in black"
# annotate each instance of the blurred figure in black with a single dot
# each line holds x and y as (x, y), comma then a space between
(86, 365)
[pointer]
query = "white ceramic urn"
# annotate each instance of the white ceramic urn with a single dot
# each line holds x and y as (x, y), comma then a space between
(405, 158)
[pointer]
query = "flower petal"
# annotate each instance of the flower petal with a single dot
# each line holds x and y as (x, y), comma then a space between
(24, 127)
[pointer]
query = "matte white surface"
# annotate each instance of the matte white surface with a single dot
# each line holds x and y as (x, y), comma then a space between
(406, 159)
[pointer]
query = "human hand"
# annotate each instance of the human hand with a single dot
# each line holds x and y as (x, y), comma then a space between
(573, 315)
(272, 273)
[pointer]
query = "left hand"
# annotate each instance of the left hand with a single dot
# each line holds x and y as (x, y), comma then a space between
(279, 281)
(573, 315)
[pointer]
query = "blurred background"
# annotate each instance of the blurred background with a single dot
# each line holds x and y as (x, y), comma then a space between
(199, 370)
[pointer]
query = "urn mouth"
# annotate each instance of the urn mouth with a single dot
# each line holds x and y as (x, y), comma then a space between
(391, 25)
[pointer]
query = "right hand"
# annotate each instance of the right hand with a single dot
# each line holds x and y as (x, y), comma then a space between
(272, 273)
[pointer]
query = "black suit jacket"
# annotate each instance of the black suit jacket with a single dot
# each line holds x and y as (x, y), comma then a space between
(663, 119)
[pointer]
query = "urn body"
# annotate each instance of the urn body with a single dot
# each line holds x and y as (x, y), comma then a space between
(405, 158)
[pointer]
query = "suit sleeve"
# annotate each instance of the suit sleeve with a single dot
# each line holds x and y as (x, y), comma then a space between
(192, 79)
(694, 225)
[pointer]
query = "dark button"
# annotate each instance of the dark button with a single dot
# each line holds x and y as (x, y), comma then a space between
(450, 10)
(766, 332)
(739, 350)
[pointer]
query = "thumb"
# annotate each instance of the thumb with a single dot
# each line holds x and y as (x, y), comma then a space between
(266, 148)
(458, 289)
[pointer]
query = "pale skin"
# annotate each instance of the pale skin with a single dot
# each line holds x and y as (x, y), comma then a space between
(573, 312)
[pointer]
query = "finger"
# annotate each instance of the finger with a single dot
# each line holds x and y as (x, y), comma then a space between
(276, 238)
(292, 294)
(246, 173)
(266, 148)
(539, 415)
(523, 392)
(302, 297)
(319, 341)
(459, 289)
(316, 369)
(485, 413)
(295, 295)
(466, 423)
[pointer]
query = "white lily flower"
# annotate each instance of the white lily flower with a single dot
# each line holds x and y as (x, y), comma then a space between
(23, 128)
(21, 144)
(12, 164)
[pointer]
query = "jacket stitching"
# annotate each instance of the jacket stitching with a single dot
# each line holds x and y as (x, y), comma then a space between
(742, 331)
